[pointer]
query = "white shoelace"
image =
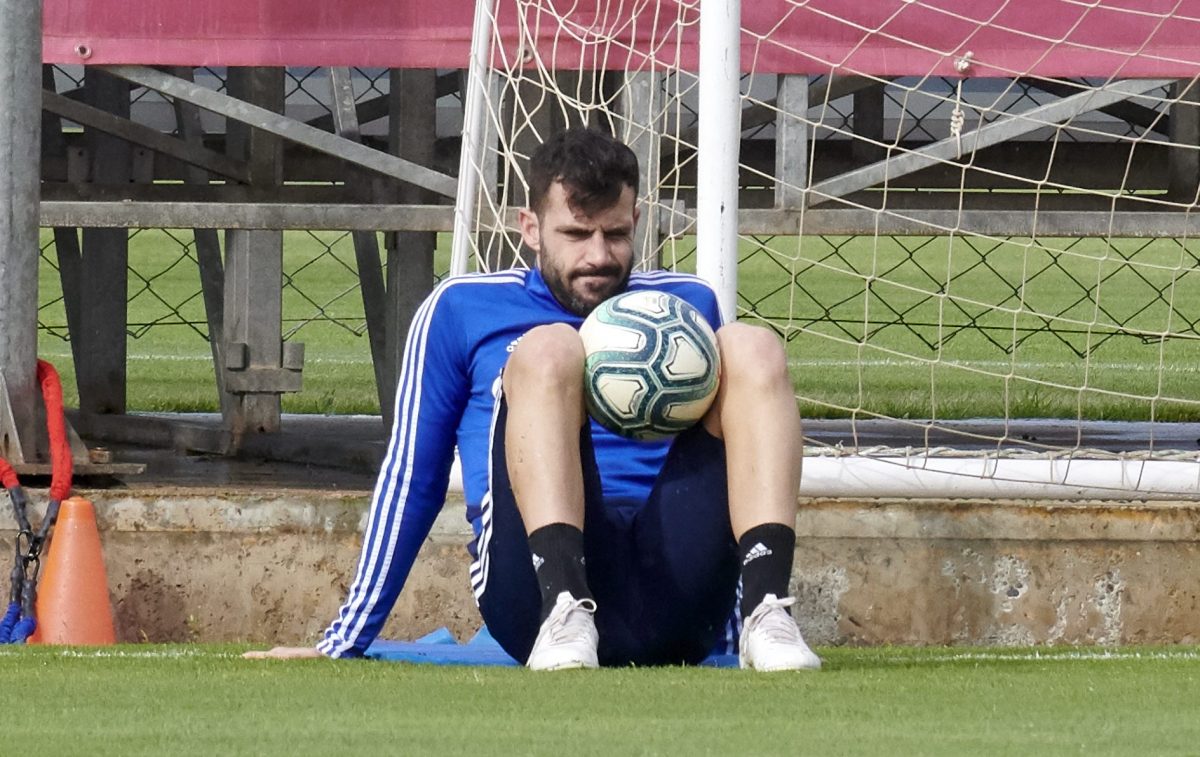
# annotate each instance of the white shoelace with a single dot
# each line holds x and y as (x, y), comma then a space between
(566, 615)
(773, 621)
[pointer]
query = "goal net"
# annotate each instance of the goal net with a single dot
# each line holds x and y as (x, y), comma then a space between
(971, 221)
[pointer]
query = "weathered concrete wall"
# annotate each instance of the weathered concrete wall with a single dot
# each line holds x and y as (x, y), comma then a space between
(229, 565)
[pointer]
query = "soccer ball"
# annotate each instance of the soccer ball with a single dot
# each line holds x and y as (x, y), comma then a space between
(652, 367)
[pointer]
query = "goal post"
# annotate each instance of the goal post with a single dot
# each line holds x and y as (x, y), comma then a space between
(973, 224)
(717, 147)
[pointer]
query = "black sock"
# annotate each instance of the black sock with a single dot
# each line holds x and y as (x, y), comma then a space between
(557, 551)
(766, 552)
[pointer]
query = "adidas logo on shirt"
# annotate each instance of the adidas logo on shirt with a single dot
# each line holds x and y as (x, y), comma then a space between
(538, 561)
(757, 551)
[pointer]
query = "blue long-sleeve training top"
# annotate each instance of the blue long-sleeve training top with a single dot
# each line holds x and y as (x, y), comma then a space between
(460, 338)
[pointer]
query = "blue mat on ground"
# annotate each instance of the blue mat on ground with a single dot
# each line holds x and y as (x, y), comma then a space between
(440, 648)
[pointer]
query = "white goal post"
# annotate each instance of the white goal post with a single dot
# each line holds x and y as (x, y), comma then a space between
(973, 222)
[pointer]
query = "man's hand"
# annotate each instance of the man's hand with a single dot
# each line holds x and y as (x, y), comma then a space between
(284, 653)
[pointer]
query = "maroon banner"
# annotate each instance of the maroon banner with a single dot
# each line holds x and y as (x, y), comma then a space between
(376, 33)
(1126, 38)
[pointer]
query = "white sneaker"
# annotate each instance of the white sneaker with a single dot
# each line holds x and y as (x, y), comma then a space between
(771, 641)
(568, 637)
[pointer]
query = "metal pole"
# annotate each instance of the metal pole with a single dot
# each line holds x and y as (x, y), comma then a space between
(641, 109)
(20, 168)
(472, 139)
(717, 149)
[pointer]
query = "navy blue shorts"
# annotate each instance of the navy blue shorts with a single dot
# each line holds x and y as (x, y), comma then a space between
(664, 574)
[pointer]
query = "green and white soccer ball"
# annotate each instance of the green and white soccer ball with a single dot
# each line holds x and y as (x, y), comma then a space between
(652, 365)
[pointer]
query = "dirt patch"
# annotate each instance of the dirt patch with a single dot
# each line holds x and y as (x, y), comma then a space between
(149, 608)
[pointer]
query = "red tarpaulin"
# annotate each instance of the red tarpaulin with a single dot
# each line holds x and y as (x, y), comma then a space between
(1128, 38)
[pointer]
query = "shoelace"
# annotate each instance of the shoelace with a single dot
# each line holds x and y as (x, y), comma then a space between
(561, 617)
(775, 626)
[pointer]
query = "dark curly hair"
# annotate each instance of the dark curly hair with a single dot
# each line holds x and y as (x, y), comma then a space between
(593, 167)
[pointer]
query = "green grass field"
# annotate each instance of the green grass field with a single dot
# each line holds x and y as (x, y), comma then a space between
(204, 700)
(904, 327)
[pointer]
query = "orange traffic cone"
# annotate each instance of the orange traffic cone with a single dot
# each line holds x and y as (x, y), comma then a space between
(72, 602)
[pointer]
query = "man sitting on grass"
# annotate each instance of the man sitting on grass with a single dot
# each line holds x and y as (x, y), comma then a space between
(590, 549)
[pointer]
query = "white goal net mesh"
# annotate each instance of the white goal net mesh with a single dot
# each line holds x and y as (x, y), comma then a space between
(972, 222)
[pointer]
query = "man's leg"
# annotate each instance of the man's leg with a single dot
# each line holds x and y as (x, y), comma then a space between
(507, 586)
(545, 412)
(544, 393)
(755, 413)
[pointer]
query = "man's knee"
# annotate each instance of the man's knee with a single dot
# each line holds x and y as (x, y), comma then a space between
(752, 355)
(546, 356)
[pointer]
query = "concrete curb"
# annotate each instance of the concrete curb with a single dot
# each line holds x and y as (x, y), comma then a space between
(228, 564)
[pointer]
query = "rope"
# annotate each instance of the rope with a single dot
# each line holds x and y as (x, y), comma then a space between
(61, 463)
(957, 118)
(19, 620)
(27, 560)
(10, 622)
(8, 477)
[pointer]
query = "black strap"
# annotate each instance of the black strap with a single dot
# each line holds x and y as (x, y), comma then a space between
(27, 561)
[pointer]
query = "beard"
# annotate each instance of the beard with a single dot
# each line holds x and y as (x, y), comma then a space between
(578, 296)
